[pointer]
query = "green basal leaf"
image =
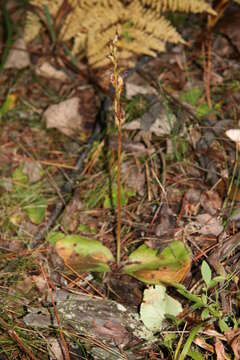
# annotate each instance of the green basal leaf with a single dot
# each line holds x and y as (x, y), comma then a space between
(142, 258)
(54, 236)
(84, 254)
(174, 255)
(170, 266)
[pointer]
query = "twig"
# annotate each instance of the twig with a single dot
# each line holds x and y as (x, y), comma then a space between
(66, 189)
(13, 335)
(66, 352)
(207, 68)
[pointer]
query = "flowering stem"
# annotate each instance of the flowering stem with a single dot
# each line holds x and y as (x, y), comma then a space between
(117, 82)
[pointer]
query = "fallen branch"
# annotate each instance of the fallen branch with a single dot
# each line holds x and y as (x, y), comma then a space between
(108, 329)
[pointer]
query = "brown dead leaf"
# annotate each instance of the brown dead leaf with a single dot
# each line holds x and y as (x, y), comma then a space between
(166, 223)
(211, 202)
(56, 349)
(33, 170)
(25, 285)
(220, 351)
(194, 136)
(71, 215)
(233, 339)
(199, 341)
(223, 189)
(209, 225)
(134, 177)
(64, 116)
(50, 72)
(154, 121)
(191, 202)
(18, 57)
(217, 152)
(229, 26)
(74, 117)
(40, 282)
(134, 147)
(136, 85)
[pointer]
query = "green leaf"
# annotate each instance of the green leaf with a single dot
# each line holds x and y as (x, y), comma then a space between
(156, 305)
(188, 295)
(54, 236)
(84, 254)
(203, 110)
(20, 179)
(142, 258)
(8, 104)
(214, 311)
(125, 195)
(87, 229)
(192, 96)
(189, 341)
(223, 326)
(71, 56)
(169, 339)
(170, 266)
(206, 273)
(216, 280)
(36, 211)
(195, 355)
(205, 314)
(204, 299)
(49, 23)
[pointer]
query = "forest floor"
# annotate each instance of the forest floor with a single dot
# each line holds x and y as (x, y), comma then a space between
(179, 182)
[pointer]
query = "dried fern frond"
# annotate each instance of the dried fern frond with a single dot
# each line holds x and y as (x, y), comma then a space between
(155, 25)
(33, 23)
(92, 24)
(193, 6)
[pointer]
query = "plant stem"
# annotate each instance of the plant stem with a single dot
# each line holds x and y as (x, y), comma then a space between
(232, 179)
(119, 194)
(119, 115)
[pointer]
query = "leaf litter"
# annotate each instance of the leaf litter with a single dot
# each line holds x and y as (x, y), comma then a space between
(179, 197)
